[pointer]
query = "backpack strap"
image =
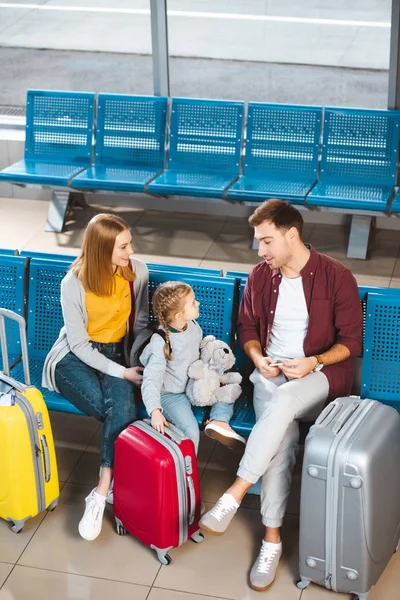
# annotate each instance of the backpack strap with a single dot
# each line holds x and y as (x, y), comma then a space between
(161, 333)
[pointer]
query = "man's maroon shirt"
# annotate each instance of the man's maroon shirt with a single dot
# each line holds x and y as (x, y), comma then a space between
(333, 306)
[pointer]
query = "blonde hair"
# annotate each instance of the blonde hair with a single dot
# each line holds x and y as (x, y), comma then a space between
(167, 301)
(93, 266)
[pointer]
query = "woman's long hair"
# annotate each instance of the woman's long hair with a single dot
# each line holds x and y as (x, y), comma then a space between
(93, 266)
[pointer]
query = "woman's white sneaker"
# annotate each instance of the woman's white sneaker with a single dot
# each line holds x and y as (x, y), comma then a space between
(263, 573)
(90, 525)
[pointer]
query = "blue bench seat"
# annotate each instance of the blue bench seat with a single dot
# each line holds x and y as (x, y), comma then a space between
(58, 138)
(204, 148)
(114, 178)
(42, 173)
(395, 208)
(350, 196)
(130, 143)
(259, 188)
(281, 153)
(188, 183)
(359, 158)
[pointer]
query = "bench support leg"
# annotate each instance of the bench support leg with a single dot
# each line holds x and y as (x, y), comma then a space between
(359, 235)
(57, 211)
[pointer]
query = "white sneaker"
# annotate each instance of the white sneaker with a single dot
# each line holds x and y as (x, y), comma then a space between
(110, 495)
(217, 519)
(263, 573)
(90, 525)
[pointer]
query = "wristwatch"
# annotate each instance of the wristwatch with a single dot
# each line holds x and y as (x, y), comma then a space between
(319, 365)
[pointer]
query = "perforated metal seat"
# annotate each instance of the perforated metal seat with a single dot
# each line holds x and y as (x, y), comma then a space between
(204, 153)
(58, 142)
(395, 208)
(244, 418)
(215, 295)
(281, 157)
(130, 140)
(359, 157)
(12, 297)
(380, 378)
(44, 323)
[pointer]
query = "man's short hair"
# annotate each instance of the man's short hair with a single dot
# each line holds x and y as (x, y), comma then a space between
(279, 212)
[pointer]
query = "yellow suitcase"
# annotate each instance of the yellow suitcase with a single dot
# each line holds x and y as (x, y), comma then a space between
(28, 467)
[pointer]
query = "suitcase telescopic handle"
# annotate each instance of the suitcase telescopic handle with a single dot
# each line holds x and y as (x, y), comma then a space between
(10, 314)
(344, 417)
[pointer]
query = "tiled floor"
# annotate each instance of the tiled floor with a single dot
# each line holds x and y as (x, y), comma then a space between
(48, 560)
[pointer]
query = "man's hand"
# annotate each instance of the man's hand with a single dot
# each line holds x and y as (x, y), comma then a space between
(158, 421)
(266, 371)
(298, 367)
(134, 375)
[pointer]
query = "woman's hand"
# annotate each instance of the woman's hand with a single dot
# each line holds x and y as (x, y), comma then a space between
(158, 421)
(134, 375)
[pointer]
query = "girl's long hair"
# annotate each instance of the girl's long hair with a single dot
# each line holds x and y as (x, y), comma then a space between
(93, 266)
(167, 301)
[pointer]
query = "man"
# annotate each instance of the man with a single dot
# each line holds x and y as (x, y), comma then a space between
(300, 323)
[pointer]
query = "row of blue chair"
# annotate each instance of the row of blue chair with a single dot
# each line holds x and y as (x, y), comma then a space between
(30, 285)
(207, 148)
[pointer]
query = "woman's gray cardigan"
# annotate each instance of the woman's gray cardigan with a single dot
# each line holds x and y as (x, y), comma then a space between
(74, 336)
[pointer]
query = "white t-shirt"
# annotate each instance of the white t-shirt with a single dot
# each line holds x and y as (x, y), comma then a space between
(291, 321)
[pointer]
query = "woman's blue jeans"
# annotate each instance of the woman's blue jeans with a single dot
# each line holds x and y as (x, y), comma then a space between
(108, 399)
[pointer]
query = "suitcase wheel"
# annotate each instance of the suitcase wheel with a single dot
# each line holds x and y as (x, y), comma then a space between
(164, 559)
(197, 537)
(302, 584)
(17, 527)
(120, 528)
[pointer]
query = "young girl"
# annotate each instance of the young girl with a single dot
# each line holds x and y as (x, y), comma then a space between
(166, 364)
(104, 300)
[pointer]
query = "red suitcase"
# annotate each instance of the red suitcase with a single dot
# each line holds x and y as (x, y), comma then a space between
(156, 488)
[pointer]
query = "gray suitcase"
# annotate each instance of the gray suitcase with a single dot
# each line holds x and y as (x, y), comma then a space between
(350, 496)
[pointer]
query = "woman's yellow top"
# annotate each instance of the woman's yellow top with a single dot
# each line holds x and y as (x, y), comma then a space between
(108, 316)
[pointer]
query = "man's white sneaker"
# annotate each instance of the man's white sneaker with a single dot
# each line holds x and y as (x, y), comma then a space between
(217, 519)
(263, 573)
(110, 495)
(90, 525)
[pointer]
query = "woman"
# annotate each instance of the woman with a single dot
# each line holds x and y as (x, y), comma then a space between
(104, 299)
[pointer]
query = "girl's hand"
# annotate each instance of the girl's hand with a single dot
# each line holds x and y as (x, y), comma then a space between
(134, 375)
(158, 421)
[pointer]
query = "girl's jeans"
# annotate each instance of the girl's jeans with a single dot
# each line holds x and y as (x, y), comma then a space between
(108, 399)
(178, 411)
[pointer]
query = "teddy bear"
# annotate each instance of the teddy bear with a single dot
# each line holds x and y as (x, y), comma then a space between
(208, 381)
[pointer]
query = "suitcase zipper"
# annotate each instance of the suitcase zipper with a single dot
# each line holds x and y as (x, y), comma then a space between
(180, 468)
(332, 494)
(36, 451)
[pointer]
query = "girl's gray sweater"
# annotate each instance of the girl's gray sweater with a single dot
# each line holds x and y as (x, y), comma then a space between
(162, 375)
(74, 336)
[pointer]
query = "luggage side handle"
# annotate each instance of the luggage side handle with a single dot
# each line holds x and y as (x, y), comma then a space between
(9, 314)
(192, 499)
(331, 411)
(46, 458)
(342, 420)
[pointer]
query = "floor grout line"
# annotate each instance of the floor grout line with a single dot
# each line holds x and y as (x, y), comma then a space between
(80, 575)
